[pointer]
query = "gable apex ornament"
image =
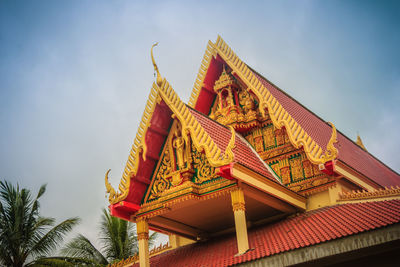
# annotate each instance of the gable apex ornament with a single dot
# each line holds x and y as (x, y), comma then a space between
(159, 78)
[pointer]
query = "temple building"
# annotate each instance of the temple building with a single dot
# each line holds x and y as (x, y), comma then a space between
(245, 175)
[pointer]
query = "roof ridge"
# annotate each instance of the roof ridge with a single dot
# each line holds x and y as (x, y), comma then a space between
(321, 119)
(139, 145)
(205, 63)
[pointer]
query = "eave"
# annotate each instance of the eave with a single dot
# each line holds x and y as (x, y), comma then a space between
(255, 180)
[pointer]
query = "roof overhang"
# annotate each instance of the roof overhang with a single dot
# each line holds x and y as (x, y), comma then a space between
(256, 181)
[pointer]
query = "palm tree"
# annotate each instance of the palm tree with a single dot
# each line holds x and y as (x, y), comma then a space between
(117, 237)
(26, 238)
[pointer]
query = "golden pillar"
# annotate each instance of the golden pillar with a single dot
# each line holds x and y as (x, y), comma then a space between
(143, 237)
(238, 206)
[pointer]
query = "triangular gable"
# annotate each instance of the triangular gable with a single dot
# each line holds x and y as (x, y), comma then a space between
(153, 127)
(180, 162)
(221, 145)
(303, 127)
(156, 120)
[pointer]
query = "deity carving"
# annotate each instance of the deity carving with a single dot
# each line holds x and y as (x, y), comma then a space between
(234, 105)
(179, 144)
(180, 162)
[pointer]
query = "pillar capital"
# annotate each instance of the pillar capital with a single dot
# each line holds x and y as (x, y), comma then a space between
(142, 228)
(237, 198)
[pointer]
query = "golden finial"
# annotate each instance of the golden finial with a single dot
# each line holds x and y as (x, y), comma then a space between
(360, 143)
(159, 78)
(109, 187)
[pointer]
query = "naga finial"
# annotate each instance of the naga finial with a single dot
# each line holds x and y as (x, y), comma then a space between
(109, 187)
(159, 78)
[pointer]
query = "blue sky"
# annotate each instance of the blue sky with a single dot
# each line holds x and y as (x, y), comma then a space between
(74, 77)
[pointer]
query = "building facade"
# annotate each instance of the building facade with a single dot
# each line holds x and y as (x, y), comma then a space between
(244, 174)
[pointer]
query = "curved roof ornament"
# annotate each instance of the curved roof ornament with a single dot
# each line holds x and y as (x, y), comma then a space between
(159, 78)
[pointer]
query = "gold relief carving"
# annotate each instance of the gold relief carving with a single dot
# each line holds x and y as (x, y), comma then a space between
(296, 168)
(250, 139)
(309, 185)
(269, 137)
(142, 236)
(276, 169)
(308, 169)
(316, 170)
(286, 137)
(318, 182)
(237, 198)
(191, 128)
(258, 140)
(234, 105)
(142, 228)
(160, 182)
(238, 206)
(393, 191)
(276, 151)
(196, 167)
(178, 144)
(285, 172)
(269, 104)
(280, 138)
(204, 171)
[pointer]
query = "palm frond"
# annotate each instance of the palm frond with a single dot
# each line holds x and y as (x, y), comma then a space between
(81, 247)
(51, 239)
(61, 262)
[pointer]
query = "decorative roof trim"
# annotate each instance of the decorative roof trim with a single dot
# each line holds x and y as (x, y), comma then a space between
(359, 142)
(139, 146)
(279, 116)
(361, 195)
(135, 258)
(205, 63)
(190, 126)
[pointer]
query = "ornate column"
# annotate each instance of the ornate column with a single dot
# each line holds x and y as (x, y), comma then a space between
(238, 206)
(143, 237)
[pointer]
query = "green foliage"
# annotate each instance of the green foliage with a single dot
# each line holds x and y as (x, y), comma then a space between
(26, 238)
(117, 237)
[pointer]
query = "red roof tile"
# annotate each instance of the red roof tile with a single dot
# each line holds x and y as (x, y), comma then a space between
(302, 230)
(349, 152)
(244, 153)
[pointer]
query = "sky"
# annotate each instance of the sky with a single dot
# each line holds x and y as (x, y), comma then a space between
(75, 76)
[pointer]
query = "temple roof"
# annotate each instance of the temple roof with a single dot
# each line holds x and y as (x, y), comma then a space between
(244, 152)
(303, 230)
(222, 145)
(348, 151)
(319, 139)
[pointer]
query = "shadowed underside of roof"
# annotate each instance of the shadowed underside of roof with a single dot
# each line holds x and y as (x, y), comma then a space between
(307, 229)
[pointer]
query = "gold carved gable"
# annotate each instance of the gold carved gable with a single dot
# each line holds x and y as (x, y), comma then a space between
(234, 105)
(290, 164)
(179, 163)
